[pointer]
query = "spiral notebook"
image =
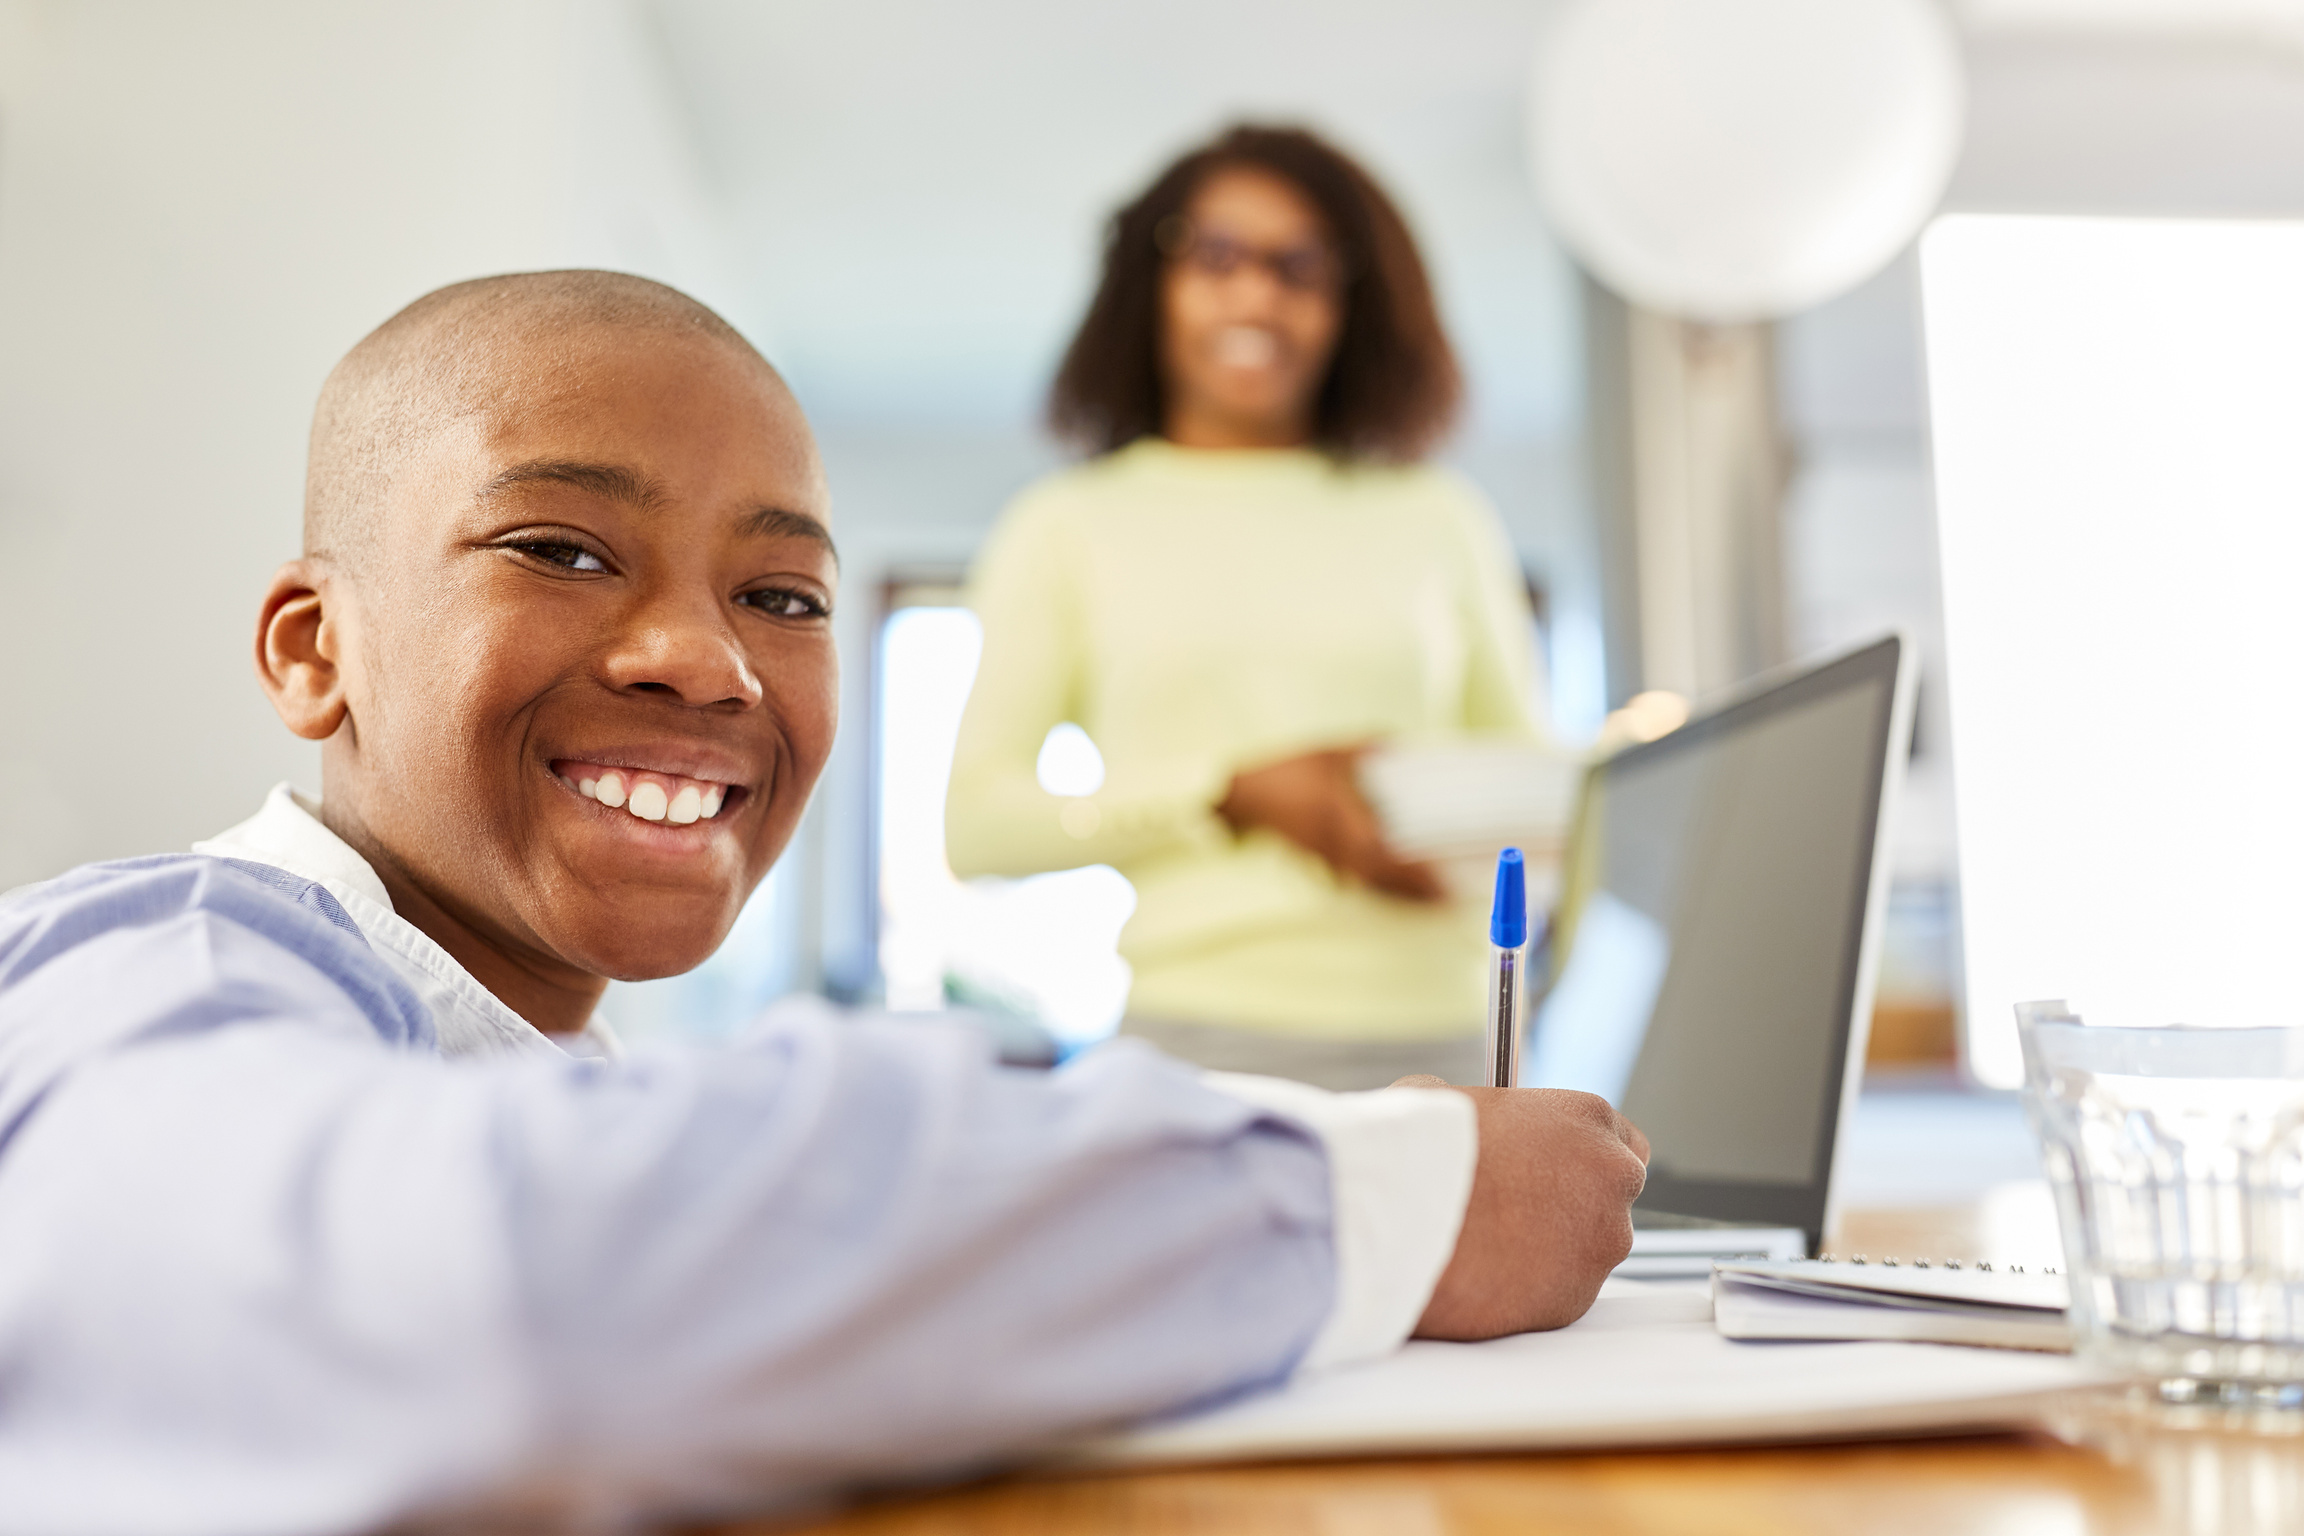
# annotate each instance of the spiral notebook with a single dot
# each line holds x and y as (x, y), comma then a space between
(1816, 1299)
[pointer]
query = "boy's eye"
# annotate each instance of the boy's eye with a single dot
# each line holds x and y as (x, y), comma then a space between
(787, 603)
(569, 557)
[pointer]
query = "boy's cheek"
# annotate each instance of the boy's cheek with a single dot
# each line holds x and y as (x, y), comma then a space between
(804, 686)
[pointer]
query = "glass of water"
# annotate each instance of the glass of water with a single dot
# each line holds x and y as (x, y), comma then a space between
(2177, 1158)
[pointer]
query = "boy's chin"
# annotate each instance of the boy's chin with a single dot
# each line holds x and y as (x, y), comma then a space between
(624, 946)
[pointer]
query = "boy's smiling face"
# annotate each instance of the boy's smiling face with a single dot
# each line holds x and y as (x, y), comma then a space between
(604, 578)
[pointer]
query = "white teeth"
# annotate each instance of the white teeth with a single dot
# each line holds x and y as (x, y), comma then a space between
(654, 799)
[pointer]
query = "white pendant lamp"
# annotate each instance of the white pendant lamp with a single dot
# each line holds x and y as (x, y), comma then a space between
(1731, 160)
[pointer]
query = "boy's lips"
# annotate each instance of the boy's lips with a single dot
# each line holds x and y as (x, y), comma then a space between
(648, 793)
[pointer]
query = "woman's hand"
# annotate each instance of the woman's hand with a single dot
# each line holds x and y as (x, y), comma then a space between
(1314, 801)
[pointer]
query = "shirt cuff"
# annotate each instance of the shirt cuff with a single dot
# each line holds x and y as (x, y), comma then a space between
(1400, 1166)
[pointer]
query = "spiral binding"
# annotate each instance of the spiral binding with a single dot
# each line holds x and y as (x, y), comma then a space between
(1892, 1263)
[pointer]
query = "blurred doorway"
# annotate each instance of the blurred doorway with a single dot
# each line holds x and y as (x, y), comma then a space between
(1043, 948)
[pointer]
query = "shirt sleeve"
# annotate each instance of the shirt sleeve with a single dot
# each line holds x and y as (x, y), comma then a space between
(997, 818)
(1400, 1164)
(265, 1272)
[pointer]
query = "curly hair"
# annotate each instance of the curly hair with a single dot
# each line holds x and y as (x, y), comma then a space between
(1392, 388)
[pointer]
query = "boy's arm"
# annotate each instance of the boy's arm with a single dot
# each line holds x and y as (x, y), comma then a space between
(263, 1271)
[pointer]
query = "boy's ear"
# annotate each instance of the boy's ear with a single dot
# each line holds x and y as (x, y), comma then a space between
(296, 652)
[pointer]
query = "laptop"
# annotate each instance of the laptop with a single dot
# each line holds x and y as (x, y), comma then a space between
(1714, 948)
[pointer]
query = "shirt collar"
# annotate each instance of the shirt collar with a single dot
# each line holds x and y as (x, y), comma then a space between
(288, 834)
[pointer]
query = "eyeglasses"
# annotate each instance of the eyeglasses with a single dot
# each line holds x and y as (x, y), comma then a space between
(1313, 268)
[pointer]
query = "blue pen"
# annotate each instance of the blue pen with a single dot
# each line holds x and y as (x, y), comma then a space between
(1508, 931)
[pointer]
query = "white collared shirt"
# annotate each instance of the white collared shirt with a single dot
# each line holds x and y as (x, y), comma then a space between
(1400, 1160)
(272, 1264)
(471, 1021)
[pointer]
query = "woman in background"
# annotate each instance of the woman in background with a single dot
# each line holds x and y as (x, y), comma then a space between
(1254, 578)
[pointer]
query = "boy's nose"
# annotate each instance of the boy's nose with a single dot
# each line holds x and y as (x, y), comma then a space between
(686, 654)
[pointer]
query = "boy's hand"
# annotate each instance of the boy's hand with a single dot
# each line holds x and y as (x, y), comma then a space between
(1550, 1213)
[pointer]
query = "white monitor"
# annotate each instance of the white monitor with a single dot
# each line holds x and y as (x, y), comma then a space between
(2118, 416)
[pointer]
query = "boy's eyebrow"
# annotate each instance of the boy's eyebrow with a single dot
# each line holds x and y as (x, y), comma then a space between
(782, 522)
(614, 481)
(620, 483)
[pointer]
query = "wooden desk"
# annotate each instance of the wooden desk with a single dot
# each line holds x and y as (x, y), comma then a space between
(2120, 1477)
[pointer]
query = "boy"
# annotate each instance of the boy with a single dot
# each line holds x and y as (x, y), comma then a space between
(313, 1214)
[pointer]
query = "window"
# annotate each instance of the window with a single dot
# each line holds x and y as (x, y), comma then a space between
(1042, 947)
(2115, 408)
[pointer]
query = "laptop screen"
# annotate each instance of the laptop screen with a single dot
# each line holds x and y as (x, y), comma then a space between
(1710, 935)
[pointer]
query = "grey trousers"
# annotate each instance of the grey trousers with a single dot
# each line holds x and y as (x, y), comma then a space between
(1338, 1064)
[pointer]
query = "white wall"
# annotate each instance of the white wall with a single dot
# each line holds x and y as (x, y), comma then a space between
(201, 208)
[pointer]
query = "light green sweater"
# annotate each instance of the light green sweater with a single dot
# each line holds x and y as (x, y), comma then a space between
(1198, 612)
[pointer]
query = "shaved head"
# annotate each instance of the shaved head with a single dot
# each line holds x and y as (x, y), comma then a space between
(440, 360)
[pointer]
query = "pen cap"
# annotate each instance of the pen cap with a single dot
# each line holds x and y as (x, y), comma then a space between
(1508, 919)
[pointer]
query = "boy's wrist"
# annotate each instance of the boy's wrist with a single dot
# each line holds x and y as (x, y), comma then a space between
(1400, 1165)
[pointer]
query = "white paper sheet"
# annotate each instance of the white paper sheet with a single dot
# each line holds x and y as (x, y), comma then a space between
(1644, 1367)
